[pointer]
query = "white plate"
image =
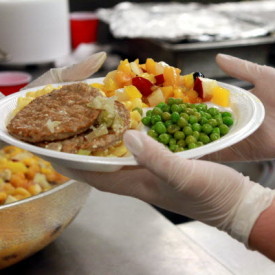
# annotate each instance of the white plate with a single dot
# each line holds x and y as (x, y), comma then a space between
(248, 112)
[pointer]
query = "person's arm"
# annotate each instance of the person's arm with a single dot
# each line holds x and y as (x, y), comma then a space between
(262, 237)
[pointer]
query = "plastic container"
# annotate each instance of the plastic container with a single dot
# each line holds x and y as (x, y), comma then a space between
(83, 28)
(13, 81)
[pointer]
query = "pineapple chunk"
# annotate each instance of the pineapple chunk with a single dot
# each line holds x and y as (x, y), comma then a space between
(220, 96)
(156, 97)
(132, 92)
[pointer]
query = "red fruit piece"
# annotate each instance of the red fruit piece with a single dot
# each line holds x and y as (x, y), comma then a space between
(143, 85)
(159, 79)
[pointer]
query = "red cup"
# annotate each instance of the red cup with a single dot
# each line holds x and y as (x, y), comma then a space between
(13, 81)
(83, 28)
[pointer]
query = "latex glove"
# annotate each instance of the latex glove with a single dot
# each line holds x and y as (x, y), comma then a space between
(75, 72)
(261, 144)
(212, 193)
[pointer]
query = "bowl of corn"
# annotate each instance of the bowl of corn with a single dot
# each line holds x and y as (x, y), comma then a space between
(36, 204)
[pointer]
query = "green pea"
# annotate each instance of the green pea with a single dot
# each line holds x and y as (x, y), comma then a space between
(204, 138)
(224, 129)
(175, 108)
(213, 111)
(166, 108)
(179, 149)
(152, 133)
(224, 114)
(165, 116)
(192, 119)
(164, 138)
(206, 128)
(190, 139)
(173, 147)
(155, 119)
(197, 115)
(171, 129)
(179, 135)
(196, 127)
(149, 113)
(216, 130)
(171, 101)
(181, 143)
(184, 115)
(161, 105)
(172, 141)
(207, 115)
(218, 119)
(196, 134)
(183, 107)
(192, 145)
(190, 111)
(199, 143)
(182, 122)
(204, 120)
(178, 101)
(227, 120)
(160, 127)
(156, 111)
(213, 122)
(187, 130)
(214, 136)
(146, 120)
(168, 122)
(175, 116)
(201, 107)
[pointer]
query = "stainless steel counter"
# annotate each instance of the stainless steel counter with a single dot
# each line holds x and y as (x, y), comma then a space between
(120, 235)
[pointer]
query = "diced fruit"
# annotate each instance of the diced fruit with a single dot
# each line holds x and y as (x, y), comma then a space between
(178, 93)
(156, 97)
(143, 85)
(159, 79)
(221, 96)
(159, 68)
(132, 92)
(171, 76)
(150, 77)
(135, 68)
(121, 95)
(187, 81)
(124, 66)
(204, 87)
(167, 91)
(150, 66)
(193, 96)
(123, 78)
(137, 103)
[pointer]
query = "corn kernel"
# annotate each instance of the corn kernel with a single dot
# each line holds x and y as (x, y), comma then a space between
(22, 191)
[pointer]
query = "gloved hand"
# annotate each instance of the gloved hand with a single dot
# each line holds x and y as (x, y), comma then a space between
(261, 144)
(212, 193)
(75, 72)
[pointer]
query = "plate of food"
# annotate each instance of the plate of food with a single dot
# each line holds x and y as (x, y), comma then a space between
(81, 125)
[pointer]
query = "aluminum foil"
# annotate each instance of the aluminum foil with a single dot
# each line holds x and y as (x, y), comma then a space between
(176, 22)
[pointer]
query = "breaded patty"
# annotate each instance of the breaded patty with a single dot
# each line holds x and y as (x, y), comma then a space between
(61, 114)
(82, 142)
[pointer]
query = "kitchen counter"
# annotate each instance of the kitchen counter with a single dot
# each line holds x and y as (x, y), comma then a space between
(119, 235)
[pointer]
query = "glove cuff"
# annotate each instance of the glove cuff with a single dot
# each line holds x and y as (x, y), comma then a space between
(253, 204)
